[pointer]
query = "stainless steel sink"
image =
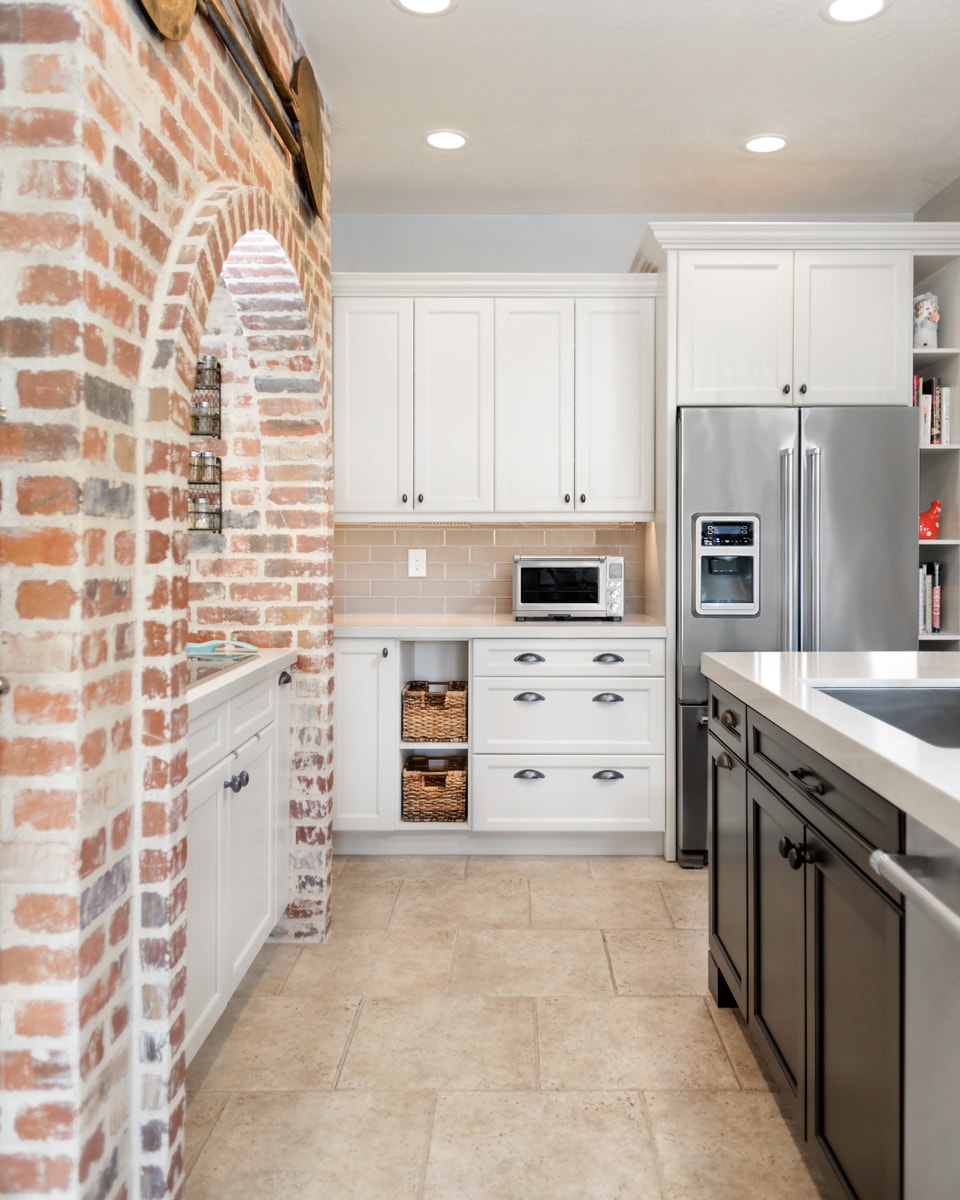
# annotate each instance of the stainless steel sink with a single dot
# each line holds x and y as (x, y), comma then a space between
(929, 713)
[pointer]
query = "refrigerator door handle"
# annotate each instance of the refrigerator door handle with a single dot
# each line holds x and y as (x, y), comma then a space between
(789, 583)
(810, 635)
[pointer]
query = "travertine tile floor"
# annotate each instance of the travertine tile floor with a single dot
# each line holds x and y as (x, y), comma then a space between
(489, 1029)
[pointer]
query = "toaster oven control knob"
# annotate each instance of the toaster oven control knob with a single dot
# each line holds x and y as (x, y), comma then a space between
(614, 606)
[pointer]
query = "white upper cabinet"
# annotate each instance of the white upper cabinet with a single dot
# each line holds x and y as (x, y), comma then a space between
(413, 405)
(852, 327)
(793, 327)
(575, 406)
(615, 406)
(373, 404)
(531, 401)
(534, 405)
(453, 405)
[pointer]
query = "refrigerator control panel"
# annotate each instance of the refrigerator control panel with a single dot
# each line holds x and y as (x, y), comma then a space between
(726, 533)
(727, 576)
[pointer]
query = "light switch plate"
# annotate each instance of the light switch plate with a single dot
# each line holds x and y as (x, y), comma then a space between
(416, 564)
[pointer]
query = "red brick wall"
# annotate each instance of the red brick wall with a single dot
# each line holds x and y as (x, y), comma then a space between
(131, 168)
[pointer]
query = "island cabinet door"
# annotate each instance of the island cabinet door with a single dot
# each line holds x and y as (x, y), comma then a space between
(727, 856)
(854, 954)
(776, 932)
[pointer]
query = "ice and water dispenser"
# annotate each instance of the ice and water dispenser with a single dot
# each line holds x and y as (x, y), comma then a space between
(727, 575)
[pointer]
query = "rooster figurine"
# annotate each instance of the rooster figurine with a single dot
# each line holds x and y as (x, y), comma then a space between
(930, 521)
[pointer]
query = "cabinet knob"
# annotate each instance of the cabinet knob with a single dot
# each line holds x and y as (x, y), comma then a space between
(786, 389)
(529, 657)
(285, 678)
(529, 697)
(420, 497)
(566, 497)
(608, 658)
(233, 783)
(385, 652)
(583, 497)
(795, 855)
(725, 761)
(244, 778)
(404, 497)
(608, 775)
(728, 718)
(803, 389)
(607, 698)
(529, 773)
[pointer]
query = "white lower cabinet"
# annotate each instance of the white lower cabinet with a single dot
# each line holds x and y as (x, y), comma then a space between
(568, 734)
(565, 734)
(236, 879)
(514, 793)
(568, 716)
(366, 728)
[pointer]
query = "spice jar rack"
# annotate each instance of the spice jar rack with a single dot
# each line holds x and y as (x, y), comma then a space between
(204, 494)
(205, 404)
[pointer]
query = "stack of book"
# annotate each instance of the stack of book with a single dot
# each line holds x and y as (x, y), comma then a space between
(933, 400)
(929, 597)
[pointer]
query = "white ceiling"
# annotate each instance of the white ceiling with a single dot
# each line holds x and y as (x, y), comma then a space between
(625, 106)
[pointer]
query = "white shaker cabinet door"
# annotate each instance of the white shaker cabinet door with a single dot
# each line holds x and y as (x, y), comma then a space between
(205, 967)
(735, 327)
(852, 327)
(534, 405)
(248, 841)
(373, 405)
(366, 769)
(453, 405)
(614, 429)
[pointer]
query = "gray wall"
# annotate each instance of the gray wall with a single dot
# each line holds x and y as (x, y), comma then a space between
(588, 242)
(945, 205)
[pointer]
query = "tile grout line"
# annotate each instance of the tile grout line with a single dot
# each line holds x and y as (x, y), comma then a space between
(606, 951)
(708, 1001)
(347, 1044)
(426, 1157)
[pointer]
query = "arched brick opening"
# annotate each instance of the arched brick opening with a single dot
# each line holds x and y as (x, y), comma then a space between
(269, 582)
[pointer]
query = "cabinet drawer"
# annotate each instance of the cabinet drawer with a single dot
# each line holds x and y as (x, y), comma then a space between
(568, 716)
(819, 790)
(208, 740)
(728, 720)
(252, 710)
(517, 792)
(545, 657)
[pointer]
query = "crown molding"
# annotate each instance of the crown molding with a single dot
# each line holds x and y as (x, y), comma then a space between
(920, 237)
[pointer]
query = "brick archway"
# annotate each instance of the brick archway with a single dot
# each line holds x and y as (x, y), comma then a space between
(280, 458)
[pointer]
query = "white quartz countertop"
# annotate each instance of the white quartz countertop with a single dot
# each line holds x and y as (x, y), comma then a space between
(921, 779)
(222, 685)
(476, 625)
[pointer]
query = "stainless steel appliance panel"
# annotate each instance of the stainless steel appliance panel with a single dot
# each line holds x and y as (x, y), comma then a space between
(692, 785)
(858, 511)
(730, 462)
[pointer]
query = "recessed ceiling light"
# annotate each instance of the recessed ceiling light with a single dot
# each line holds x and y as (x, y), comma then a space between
(426, 8)
(848, 12)
(765, 143)
(445, 139)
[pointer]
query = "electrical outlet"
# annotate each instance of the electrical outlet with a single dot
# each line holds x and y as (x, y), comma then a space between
(416, 564)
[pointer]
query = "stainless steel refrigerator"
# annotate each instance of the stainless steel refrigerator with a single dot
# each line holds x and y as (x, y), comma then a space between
(797, 530)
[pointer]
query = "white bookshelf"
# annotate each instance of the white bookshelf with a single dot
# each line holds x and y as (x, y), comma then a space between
(940, 465)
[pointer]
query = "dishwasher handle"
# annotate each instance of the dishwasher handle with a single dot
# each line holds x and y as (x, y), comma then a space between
(895, 869)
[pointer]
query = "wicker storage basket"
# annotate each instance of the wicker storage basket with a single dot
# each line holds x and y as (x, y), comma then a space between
(434, 789)
(434, 712)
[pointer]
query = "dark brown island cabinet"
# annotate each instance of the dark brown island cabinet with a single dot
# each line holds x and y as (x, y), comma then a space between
(807, 942)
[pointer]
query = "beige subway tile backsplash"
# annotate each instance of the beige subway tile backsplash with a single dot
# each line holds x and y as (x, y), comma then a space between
(469, 568)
